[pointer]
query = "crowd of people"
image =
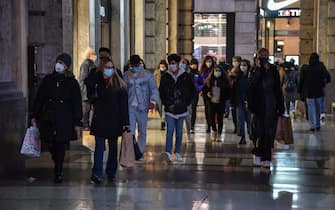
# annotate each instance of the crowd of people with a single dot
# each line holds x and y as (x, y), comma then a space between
(107, 102)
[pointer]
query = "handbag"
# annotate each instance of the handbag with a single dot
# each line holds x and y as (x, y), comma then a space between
(284, 133)
(31, 145)
(127, 154)
(137, 151)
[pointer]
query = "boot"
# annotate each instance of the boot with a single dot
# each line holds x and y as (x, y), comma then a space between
(58, 172)
(242, 141)
(162, 125)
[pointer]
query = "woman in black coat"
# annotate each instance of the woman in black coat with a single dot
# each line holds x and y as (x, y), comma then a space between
(217, 90)
(266, 104)
(110, 117)
(58, 111)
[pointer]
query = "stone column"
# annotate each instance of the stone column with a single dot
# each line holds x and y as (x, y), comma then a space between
(307, 29)
(172, 26)
(67, 8)
(330, 94)
(185, 29)
(139, 24)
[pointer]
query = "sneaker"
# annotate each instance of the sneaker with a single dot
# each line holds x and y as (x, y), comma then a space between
(96, 180)
(323, 117)
(162, 126)
(192, 130)
(58, 179)
(141, 159)
(242, 141)
(257, 160)
(167, 156)
(178, 157)
(267, 164)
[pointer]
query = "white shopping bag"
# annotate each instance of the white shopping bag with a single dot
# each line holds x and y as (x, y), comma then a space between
(31, 145)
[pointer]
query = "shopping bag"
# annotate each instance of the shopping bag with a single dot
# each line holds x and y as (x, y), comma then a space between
(127, 154)
(137, 150)
(284, 133)
(31, 145)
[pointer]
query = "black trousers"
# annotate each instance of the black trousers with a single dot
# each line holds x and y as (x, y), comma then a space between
(234, 117)
(217, 111)
(207, 104)
(86, 113)
(57, 150)
(194, 110)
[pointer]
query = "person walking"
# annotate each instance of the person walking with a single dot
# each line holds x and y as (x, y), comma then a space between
(217, 90)
(176, 91)
(57, 110)
(289, 86)
(142, 96)
(205, 69)
(158, 73)
(110, 117)
(84, 70)
(313, 78)
(266, 104)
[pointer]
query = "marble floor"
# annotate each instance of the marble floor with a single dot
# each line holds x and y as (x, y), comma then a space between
(213, 175)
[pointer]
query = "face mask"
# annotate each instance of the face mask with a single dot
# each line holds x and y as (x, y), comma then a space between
(173, 68)
(135, 69)
(208, 64)
(217, 74)
(108, 72)
(182, 66)
(236, 64)
(263, 61)
(244, 69)
(162, 68)
(59, 68)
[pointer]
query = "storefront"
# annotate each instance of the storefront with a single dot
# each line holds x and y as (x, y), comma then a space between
(279, 29)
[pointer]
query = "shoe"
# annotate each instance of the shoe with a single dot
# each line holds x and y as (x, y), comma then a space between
(141, 159)
(214, 136)
(162, 126)
(267, 164)
(257, 160)
(167, 156)
(312, 129)
(226, 115)
(96, 180)
(242, 141)
(178, 157)
(323, 117)
(58, 179)
(317, 128)
(218, 138)
(192, 130)
(111, 178)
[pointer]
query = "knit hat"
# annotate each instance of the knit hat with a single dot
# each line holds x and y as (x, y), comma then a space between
(66, 58)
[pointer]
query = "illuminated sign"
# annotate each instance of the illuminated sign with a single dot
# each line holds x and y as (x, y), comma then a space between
(274, 5)
(283, 13)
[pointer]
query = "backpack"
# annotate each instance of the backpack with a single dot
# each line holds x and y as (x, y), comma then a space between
(290, 84)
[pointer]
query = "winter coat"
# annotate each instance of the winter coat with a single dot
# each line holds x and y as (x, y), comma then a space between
(222, 83)
(239, 90)
(313, 79)
(198, 79)
(110, 108)
(142, 87)
(290, 94)
(85, 68)
(58, 107)
(176, 93)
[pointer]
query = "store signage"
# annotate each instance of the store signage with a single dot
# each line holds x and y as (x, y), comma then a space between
(283, 13)
(275, 5)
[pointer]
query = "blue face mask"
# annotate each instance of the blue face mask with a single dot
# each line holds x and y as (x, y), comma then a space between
(217, 74)
(182, 66)
(135, 69)
(108, 72)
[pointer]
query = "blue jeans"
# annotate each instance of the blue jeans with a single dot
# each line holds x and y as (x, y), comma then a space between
(243, 116)
(314, 111)
(174, 124)
(111, 167)
(322, 108)
(141, 119)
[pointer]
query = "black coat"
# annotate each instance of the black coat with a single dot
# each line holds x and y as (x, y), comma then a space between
(176, 94)
(222, 83)
(58, 107)
(110, 108)
(313, 79)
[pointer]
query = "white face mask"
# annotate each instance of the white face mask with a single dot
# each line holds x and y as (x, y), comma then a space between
(182, 66)
(236, 64)
(173, 68)
(59, 68)
(244, 68)
(209, 64)
(162, 68)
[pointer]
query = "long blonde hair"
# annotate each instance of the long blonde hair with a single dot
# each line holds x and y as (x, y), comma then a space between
(116, 81)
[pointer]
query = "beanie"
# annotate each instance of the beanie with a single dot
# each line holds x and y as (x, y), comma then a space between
(66, 58)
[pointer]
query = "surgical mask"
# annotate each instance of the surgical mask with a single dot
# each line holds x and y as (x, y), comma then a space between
(135, 69)
(236, 64)
(59, 68)
(162, 68)
(182, 66)
(217, 74)
(244, 68)
(173, 68)
(209, 64)
(108, 72)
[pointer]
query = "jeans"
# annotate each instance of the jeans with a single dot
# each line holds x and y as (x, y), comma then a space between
(322, 108)
(188, 120)
(243, 116)
(174, 124)
(314, 111)
(227, 106)
(111, 167)
(141, 119)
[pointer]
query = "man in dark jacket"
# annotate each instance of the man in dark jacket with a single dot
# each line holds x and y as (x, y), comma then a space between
(176, 91)
(313, 79)
(85, 68)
